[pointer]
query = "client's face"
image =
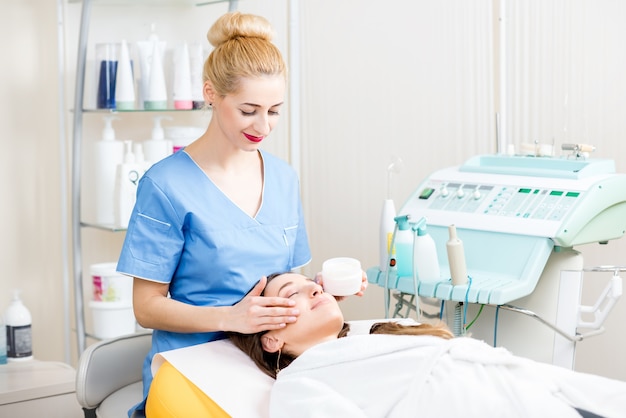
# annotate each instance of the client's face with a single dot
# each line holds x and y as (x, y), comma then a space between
(320, 318)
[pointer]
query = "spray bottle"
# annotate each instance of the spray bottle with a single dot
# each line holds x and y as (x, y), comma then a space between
(456, 258)
(425, 257)
(19, 332)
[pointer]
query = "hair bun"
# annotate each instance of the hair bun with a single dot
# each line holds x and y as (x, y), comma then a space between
(239, 25)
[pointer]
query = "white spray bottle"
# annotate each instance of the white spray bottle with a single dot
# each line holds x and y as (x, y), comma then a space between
(425, 253)
(19, 332)
(456, 258)
(127, 180)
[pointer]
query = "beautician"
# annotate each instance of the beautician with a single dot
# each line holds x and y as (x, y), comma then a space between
(213, 218)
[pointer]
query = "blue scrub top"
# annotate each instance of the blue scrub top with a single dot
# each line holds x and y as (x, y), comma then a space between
(184, 231)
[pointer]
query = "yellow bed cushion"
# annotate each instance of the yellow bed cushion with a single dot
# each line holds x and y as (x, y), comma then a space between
(172, 395)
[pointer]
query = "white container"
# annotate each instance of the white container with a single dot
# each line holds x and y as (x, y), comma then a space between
(19, 333)
(107, 154)
(425, 256)
(156, 96)
(342, 276)
(387, 226)
(196, 63)
(145, 49)
(109, 285)
(181, 87)
(124, 81)
(404, 252)
(112, 319)
(456, 258)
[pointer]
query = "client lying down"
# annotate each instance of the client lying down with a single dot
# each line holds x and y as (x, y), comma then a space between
(426, 373)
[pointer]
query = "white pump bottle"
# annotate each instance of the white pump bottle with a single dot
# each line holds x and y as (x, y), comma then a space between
(107, 155)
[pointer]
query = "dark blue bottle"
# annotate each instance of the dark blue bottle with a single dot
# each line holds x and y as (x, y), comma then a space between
(106, 84)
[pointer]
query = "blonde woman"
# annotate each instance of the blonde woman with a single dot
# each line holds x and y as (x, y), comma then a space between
(211, 219)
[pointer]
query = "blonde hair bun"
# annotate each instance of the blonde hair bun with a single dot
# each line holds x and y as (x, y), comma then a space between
(239, 25)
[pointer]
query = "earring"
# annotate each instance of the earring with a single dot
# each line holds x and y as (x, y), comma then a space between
(278, 362)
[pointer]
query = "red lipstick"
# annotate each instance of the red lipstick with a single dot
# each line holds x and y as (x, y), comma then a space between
(253, 138)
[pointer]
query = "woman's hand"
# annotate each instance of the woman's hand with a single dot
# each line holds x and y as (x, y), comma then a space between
(319, 280)
(255, 313)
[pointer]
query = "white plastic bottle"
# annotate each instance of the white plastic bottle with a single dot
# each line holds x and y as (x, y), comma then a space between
(157, 147)
(181, 89)
(3, 341)
(404, 249)
(456, 258)
(156, 96)
(19, 332)
(387, 226)
(127, 179)
(425, 255)
(124, 81)
(107, 155)
(145, 49)
(196, 66)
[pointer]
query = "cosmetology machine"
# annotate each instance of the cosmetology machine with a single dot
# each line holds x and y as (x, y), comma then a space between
(519, 219)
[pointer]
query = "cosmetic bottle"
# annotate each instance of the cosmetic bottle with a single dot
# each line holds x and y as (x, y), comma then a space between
(425, 254)
(157, 147)
(196, 67)
(19, 333)
(125, 83)
(181, 89)
(156, 96)
(456, 258)
(145, 50)
(108, 153)
(404, 247)
(387, 225)
(106, 59)
(127, 179)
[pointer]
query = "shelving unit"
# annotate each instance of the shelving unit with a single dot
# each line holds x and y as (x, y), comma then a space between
(77, 141)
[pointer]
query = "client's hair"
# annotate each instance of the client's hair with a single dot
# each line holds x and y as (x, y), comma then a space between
(270, 363)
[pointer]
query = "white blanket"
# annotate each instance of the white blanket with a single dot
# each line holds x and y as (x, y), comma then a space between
(406, 376)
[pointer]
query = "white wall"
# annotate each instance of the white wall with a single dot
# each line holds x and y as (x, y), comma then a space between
(30, 169)
(373, 86)
(407, 78)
